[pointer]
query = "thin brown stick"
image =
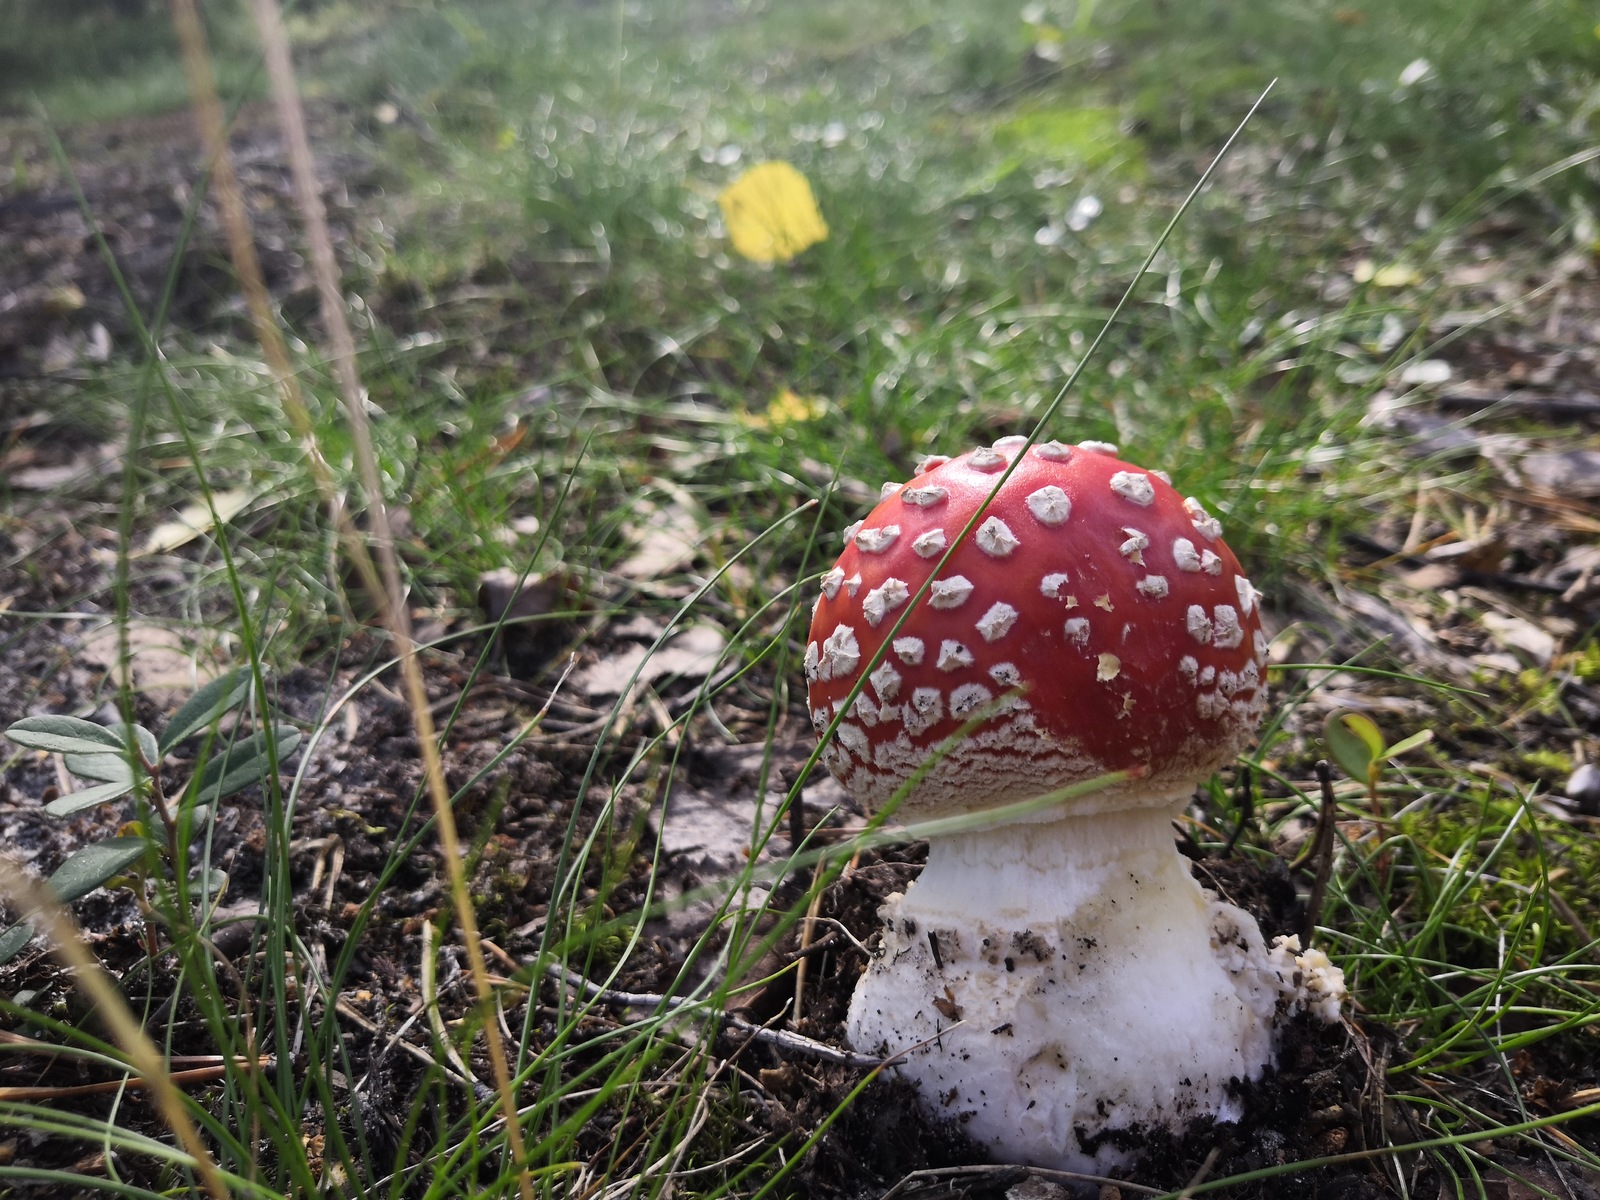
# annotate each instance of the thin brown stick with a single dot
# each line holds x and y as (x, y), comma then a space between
(189, 1078)
(46, 912)
(1321, 851)
(1199, 1176)
(280, 72)
(794, 1043)
(1010, 1174)
(808, 932)
(247, 266)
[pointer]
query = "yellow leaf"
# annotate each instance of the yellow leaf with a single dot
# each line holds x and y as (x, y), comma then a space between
(771, 213)
(193, 521)
(1395, 275)
(790, 408)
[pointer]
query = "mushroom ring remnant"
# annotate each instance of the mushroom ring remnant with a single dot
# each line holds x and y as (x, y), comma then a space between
(1065, 982)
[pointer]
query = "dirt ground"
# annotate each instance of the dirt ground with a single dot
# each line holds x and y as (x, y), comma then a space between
(1532, 568)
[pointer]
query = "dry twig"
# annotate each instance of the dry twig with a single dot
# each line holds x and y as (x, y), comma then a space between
(1009, 1174)
(392, 596)
(792, 1043)
(1321, 850)
(44, 909)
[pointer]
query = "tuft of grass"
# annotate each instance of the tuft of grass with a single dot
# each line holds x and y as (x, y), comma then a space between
(104, 60)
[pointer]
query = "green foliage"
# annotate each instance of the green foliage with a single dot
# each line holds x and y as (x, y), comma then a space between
(126, 761)
(1462, 944)
(104, 59)
(1357, 745)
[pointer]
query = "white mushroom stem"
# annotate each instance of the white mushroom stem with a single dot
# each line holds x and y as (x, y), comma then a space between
(1098, 990)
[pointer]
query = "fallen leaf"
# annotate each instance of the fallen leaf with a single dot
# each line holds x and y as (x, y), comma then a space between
(669, 537)
(1406, 633)
(692, 654)
(166, 666)
(771, 213)
(1514, 633)
(194, 520)
(1566, 472)
(1484, 552)
(709, 830)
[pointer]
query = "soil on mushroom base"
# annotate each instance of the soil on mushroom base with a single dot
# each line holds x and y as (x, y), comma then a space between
(1327, 1096)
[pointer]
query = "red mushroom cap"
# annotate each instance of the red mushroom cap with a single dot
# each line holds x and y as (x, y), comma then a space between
(1094, 615)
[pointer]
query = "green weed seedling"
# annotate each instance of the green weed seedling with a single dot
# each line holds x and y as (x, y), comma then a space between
(1358, 746)
(126, 760)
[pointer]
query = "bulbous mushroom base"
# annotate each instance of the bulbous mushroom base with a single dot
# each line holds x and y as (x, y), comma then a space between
(1056, 985)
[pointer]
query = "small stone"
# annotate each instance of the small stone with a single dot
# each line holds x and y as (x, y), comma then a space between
(1583, 789)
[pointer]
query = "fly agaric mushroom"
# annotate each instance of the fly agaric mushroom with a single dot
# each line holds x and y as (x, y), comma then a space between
(1058, 983)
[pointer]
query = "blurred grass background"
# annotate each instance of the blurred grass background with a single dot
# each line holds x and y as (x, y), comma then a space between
(991, 179)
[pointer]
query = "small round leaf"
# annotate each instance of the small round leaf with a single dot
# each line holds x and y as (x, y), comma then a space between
(1355, 743)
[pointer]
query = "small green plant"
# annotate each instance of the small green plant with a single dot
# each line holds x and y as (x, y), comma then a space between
(126, 760)
(1357, 745)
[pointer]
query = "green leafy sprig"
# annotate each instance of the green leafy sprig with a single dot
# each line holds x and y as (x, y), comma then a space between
(124, 760)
